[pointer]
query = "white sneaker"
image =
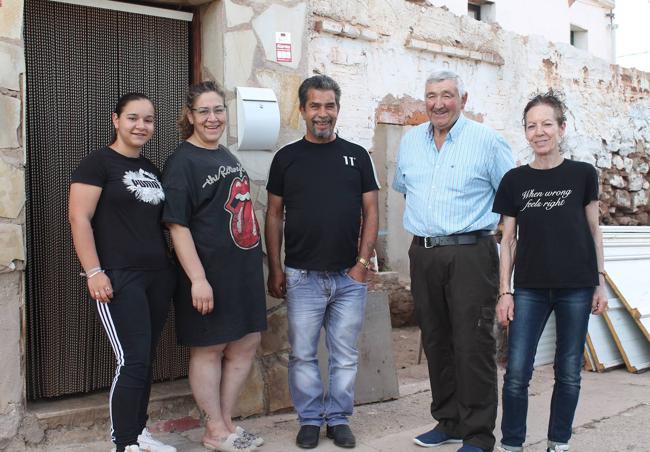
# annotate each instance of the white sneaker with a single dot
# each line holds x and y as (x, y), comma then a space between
(503, 449)
(255, 440)
(132, 448)
(150, 444)
(559, 448)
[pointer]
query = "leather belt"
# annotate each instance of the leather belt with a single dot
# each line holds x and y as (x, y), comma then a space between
(468, 238)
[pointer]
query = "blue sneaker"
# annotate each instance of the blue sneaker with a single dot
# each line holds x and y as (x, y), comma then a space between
(435, 438)
(470, 448)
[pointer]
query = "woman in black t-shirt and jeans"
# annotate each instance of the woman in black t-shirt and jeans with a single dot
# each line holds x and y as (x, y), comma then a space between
(115, 206)
(552, 238)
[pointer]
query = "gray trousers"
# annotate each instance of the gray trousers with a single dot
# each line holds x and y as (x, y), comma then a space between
(454, 290)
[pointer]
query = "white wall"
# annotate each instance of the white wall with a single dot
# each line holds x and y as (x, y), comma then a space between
(548, 18)
(592, 17)
(552, 19)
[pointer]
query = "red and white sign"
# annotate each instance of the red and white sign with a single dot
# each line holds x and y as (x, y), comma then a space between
(283, 47)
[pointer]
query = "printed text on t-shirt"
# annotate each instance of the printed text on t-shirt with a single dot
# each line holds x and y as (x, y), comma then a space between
(222, 172)
(546, 200)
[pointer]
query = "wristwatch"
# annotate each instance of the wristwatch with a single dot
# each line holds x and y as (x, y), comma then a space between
(363, 261)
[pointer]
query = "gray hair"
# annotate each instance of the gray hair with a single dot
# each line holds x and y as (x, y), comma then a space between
(445, 74)
(320, 83)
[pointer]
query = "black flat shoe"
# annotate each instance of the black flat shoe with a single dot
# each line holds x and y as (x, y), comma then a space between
(308, 436)
(342, 436)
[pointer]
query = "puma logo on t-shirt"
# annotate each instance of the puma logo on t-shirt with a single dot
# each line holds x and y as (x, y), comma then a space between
(144, 185)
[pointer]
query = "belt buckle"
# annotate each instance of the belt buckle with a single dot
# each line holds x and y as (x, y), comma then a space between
(430, 242)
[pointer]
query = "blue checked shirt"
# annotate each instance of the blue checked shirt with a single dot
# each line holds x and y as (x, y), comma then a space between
(451, 190)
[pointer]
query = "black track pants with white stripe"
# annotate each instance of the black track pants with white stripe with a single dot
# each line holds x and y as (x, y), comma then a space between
(133, 321)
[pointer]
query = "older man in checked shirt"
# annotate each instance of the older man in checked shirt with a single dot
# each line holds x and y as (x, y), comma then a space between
(449, 170)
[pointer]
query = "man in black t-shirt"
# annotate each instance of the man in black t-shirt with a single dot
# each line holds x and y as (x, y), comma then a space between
(328, 189)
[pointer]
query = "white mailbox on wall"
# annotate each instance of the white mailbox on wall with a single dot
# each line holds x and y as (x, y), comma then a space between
(258, 119)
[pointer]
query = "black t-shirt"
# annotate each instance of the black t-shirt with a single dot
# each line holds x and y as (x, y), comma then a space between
(126, 224)
(555, 248)
(321, 186)
(208, 191)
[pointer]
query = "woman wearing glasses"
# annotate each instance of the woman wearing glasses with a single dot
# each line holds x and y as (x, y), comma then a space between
(220, 302)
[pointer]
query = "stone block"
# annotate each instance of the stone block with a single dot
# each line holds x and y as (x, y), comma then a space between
(369, 35)
(351, 31)
(434, 47)
(635, 181)
(237, 14)
(12, 64)
(328, 26)
(239, 49)
(604, 161)
(31, 430)
(617, 181)
(640, 199)
(212, 38)
(376, 374)
(622, 199)
(12, 191)
(617, 161)
(11, 244)
(285, 87)
(417, 44)
(474, 55)
(277, 379)
(276, 337)
(281, 18)
(628, 164)
(492, 58)
(251, 400)
(10, 417)
(455, 52)
(231, 105)
(11, 19)
(9, 121)
(11, 378)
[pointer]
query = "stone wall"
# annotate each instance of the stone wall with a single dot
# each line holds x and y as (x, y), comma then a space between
(12, 218)
(382, 52)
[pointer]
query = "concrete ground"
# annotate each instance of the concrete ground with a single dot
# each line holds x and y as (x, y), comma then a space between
(613, 415)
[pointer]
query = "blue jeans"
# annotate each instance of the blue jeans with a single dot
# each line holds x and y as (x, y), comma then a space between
(532, 309)
(333, 300)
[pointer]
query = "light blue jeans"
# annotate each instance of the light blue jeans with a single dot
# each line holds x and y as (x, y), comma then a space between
(333, 300)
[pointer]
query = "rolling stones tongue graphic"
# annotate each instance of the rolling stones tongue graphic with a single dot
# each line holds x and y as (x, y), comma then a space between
(244, 229)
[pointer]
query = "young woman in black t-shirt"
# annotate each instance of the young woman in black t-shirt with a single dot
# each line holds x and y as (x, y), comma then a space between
(115, 205)
(220, 303)
(552, 239)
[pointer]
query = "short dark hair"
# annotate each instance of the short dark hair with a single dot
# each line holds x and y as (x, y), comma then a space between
(193, 92)
(122, 103)
(552, 98)
(321, 83)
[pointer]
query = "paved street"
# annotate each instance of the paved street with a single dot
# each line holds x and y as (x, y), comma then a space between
(613, 415)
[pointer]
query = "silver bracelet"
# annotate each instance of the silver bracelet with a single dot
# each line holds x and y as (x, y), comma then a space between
(95, 272)
(94, 269)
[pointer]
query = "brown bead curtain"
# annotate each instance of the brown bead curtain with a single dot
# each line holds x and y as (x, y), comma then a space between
(79, 60)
